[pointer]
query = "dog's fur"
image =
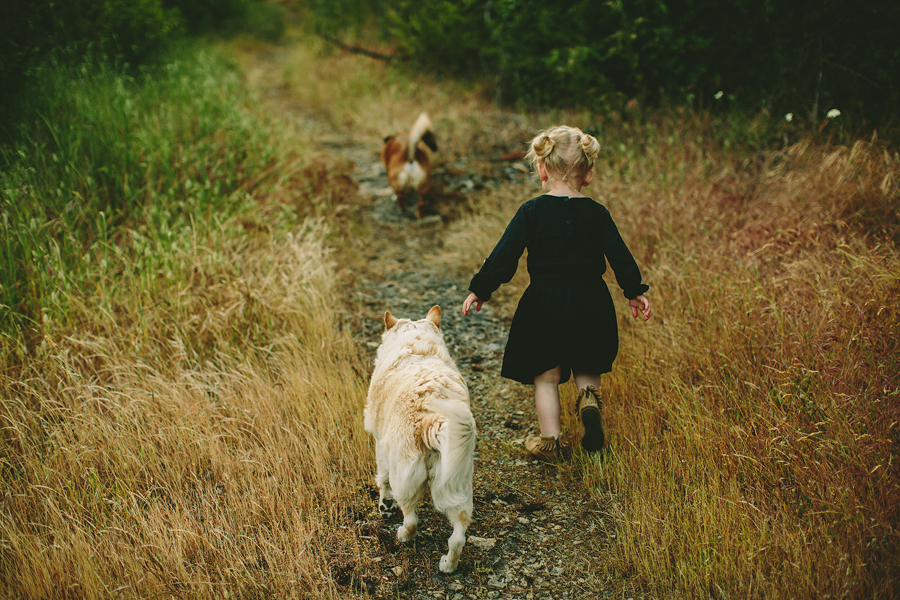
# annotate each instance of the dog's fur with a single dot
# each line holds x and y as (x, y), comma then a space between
(418, 411)
(407, 163)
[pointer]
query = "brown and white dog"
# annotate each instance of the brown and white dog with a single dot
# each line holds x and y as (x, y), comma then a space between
(407, 163)
(418, 411)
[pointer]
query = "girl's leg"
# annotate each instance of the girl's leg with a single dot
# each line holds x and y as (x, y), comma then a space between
(546, 402)
(584, 380)
(590, 417)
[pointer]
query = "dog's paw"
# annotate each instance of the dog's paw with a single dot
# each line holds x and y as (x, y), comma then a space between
(446, 565)
(404, 534)
(386, 509)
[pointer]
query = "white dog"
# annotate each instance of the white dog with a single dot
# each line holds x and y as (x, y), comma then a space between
(418, 411)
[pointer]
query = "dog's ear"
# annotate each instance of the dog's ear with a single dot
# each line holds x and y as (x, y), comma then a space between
(389, 320)
(429, 140)
(434, 315)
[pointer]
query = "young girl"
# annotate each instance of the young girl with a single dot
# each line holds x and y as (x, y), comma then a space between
(565, 321)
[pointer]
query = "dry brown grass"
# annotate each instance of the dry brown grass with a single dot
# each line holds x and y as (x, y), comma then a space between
(200, 431)
(194, 428)
(755, 419)
(198, 441)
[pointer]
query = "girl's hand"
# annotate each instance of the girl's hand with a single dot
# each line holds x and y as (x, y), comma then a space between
(640, 304)
(469, 301)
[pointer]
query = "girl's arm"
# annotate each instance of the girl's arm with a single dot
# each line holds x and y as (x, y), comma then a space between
(472, 299)
(640, 304)
(501, 265)
(624, 267)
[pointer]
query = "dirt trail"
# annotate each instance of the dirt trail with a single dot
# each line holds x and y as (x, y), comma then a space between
(537, 533)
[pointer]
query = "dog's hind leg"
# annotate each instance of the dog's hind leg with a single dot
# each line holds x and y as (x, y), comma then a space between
(407, 531)
(420, 207)
(384, 493)
(460, 520)
(408, 484)
(381, 477)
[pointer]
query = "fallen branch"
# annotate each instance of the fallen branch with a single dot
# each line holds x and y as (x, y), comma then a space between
(358, 50)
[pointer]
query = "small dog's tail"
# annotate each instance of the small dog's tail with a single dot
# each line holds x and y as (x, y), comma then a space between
(454, 438)
(421, 130)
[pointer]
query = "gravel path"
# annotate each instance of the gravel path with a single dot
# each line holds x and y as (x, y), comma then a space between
(537, 534)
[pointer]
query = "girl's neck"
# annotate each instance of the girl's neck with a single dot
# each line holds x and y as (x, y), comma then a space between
(554, 185)
(558, 187)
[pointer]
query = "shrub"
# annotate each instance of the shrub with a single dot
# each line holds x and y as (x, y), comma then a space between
(133, 31)
(785, 57)
(134, 28)
(204, 15)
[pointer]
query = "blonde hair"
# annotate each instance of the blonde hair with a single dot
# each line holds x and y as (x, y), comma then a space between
(564, 150)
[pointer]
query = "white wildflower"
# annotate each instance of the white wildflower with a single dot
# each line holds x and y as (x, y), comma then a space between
(718, 95)
(789, 117)
(831, 114)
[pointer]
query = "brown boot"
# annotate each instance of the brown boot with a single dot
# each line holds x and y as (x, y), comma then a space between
(590, 419)
(543, 447)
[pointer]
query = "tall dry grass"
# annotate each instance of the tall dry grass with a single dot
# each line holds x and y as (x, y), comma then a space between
(200, 441)
(181, 410)
(754, 419)
(191, 427)
(184, 421)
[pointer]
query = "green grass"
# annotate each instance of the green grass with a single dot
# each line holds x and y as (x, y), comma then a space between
(112, 161)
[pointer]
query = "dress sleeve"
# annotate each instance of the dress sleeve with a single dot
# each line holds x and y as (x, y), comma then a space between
(501, 265)
(627, 273)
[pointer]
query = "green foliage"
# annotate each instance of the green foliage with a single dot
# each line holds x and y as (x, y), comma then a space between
(113, 162)
(262, 20)
(133, 30)
(259, 18)
(351, 16)
(205, 15)
(802, 57)
(455, 42)
(30, 30)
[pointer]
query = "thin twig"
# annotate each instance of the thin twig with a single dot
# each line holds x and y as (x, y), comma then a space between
(358, 50)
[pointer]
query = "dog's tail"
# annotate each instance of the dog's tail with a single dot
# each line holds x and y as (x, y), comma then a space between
(454, 438)
(421, 130)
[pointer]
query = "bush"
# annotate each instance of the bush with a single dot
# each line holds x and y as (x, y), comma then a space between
(784, 57)
(134, 28)
(201, 16)
(264, 21)
(133, 31)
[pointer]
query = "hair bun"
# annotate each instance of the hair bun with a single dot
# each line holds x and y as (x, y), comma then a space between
(564, 151)
(543, 145)
(590, 146)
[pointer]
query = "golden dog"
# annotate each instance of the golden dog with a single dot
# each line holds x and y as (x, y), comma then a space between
(407, 164)
(418, 411)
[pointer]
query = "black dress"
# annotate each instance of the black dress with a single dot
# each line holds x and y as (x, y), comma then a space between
(566, 317)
